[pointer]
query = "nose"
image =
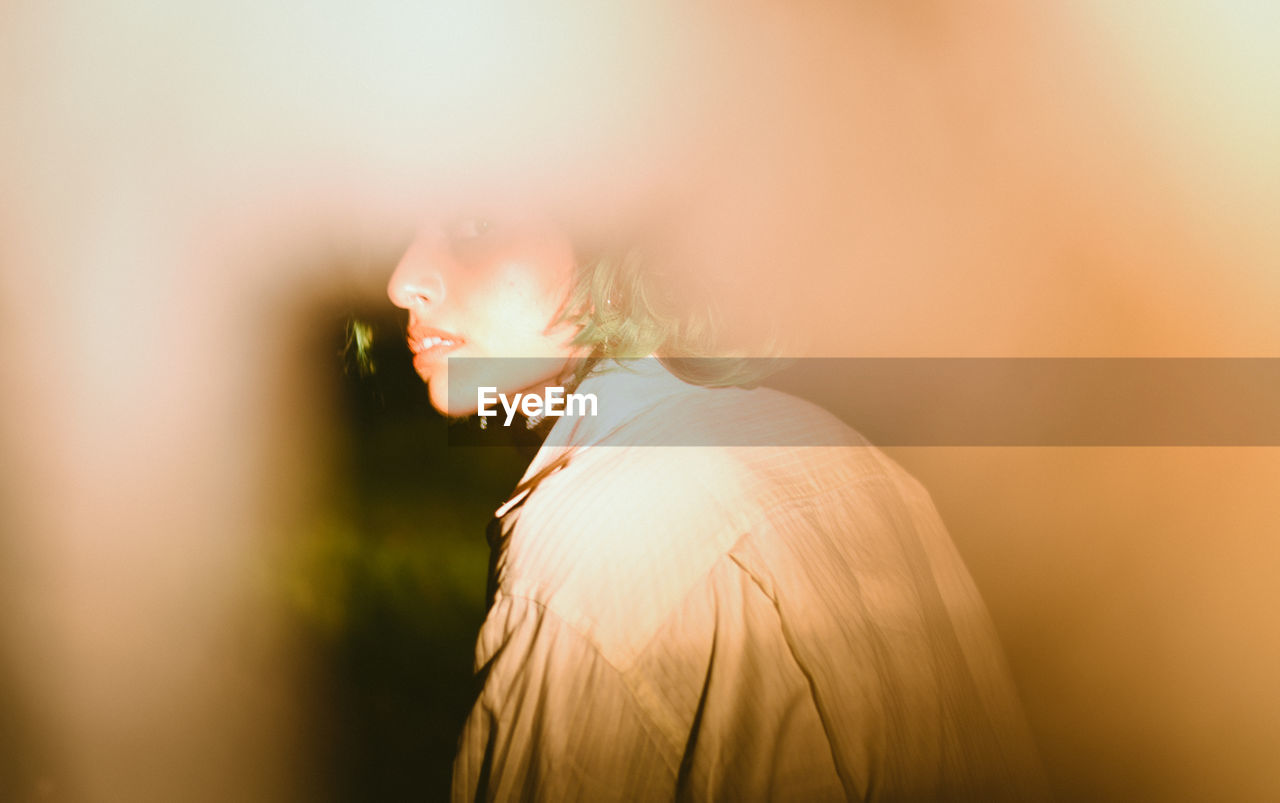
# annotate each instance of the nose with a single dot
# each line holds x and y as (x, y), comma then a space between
(418, 279)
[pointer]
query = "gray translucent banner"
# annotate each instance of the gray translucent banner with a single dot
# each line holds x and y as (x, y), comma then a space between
(891, 402)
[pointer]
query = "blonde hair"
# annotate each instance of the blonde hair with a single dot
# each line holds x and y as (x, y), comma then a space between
(626, 306)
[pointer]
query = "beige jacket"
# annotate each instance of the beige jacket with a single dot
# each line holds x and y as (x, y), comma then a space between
(724, 622)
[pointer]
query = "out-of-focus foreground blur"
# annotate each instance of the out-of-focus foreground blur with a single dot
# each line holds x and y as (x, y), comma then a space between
(234, 565)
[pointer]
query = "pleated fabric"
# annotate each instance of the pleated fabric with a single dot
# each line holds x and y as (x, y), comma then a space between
(720, 622)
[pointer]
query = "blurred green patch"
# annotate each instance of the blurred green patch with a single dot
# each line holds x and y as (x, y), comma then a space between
(358, 349)
(336, 570)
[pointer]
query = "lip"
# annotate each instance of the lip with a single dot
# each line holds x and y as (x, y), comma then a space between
(424, 351)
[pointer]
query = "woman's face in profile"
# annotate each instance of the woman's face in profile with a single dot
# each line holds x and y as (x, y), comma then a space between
(486, 287)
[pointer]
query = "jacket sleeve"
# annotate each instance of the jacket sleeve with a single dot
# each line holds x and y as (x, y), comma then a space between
(554, 720)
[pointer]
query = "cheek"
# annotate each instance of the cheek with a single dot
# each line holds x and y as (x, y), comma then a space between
(527, 300)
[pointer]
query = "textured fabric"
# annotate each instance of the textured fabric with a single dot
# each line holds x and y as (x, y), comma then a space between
(732, 623)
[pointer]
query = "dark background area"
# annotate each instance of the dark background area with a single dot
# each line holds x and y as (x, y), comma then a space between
(388, 583)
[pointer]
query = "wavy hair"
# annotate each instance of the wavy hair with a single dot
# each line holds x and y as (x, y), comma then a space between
(626, 306)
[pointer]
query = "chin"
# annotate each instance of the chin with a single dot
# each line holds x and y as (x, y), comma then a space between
(455, 407)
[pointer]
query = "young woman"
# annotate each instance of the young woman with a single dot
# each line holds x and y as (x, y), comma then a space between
(776, 613)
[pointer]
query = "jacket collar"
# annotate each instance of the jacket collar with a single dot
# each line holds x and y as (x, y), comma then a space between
(623, 389)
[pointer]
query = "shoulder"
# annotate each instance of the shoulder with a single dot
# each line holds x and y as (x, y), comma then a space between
(761, 448)
(619, 538)
(691, 471)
